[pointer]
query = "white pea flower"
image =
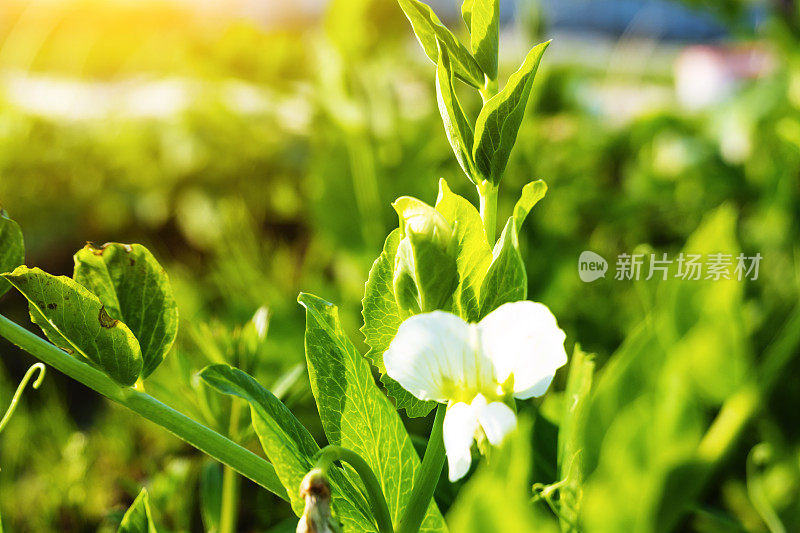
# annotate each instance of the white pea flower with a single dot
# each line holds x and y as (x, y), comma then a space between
(475, 369)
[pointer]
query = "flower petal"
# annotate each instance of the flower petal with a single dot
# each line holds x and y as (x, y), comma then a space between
(535, 390)
(496, 418)
(458, 432)
(523, 339)
(434, 356)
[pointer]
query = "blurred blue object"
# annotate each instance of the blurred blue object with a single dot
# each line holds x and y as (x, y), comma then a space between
(651, 18)
(663, 19)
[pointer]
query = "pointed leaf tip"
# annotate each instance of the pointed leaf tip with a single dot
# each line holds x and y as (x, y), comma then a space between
(499, 121)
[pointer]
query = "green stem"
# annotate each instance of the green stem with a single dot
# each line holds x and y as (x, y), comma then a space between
(230, 480)
(427, 478)
(489, 89)
(486, 190)
(204, 439)
(488, 196)
(327, 455)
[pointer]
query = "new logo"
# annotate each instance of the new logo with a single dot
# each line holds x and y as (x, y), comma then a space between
(591, 266)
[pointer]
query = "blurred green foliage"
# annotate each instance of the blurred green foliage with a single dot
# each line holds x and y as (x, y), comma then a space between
(275, 174)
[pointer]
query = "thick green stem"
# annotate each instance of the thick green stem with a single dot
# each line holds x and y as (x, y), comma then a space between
(427, 477)
(230, 480)
(489, 89)
(488, 196)
(377, 501)
(220, 448)
(486, 190)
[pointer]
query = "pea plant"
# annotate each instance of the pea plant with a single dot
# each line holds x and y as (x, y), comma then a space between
(445, 314)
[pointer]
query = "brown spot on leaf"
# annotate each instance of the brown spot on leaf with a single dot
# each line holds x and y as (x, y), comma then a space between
(52, 306)
(105, 320)
(90, 246)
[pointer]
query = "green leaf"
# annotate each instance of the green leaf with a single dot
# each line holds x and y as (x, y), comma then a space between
(474, 255)
(497, 497)
(636, 362)
(466, 13)
(382, 318)
(654, 397)
(289, 446)
(499, 120)
(355, 413)
(484, 24)
(12, 248)
(657, 479)
(719, 332)
(456, 126)
(573, 420)
(579, 384)
(211, 494)
(428, 29)
(506, 279)
(137, 518)
(76, 321)
(531, 194)
(134, 289)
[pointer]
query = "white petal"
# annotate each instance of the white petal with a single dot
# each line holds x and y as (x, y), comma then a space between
(458, 431)
(523, 339)
(496, 418)
(434, 355)
(535, 390)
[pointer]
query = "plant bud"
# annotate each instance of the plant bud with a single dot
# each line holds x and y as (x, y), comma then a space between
(317, 517)
(425, 271)
(422, 220)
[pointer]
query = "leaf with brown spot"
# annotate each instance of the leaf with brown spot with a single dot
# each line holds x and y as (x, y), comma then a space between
(75, 320)
(135, 289)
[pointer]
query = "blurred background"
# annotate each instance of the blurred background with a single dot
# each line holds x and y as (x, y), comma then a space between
(255, 147)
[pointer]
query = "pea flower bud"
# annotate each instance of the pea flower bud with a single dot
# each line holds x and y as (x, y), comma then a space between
(317, 517)
(425, 271)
